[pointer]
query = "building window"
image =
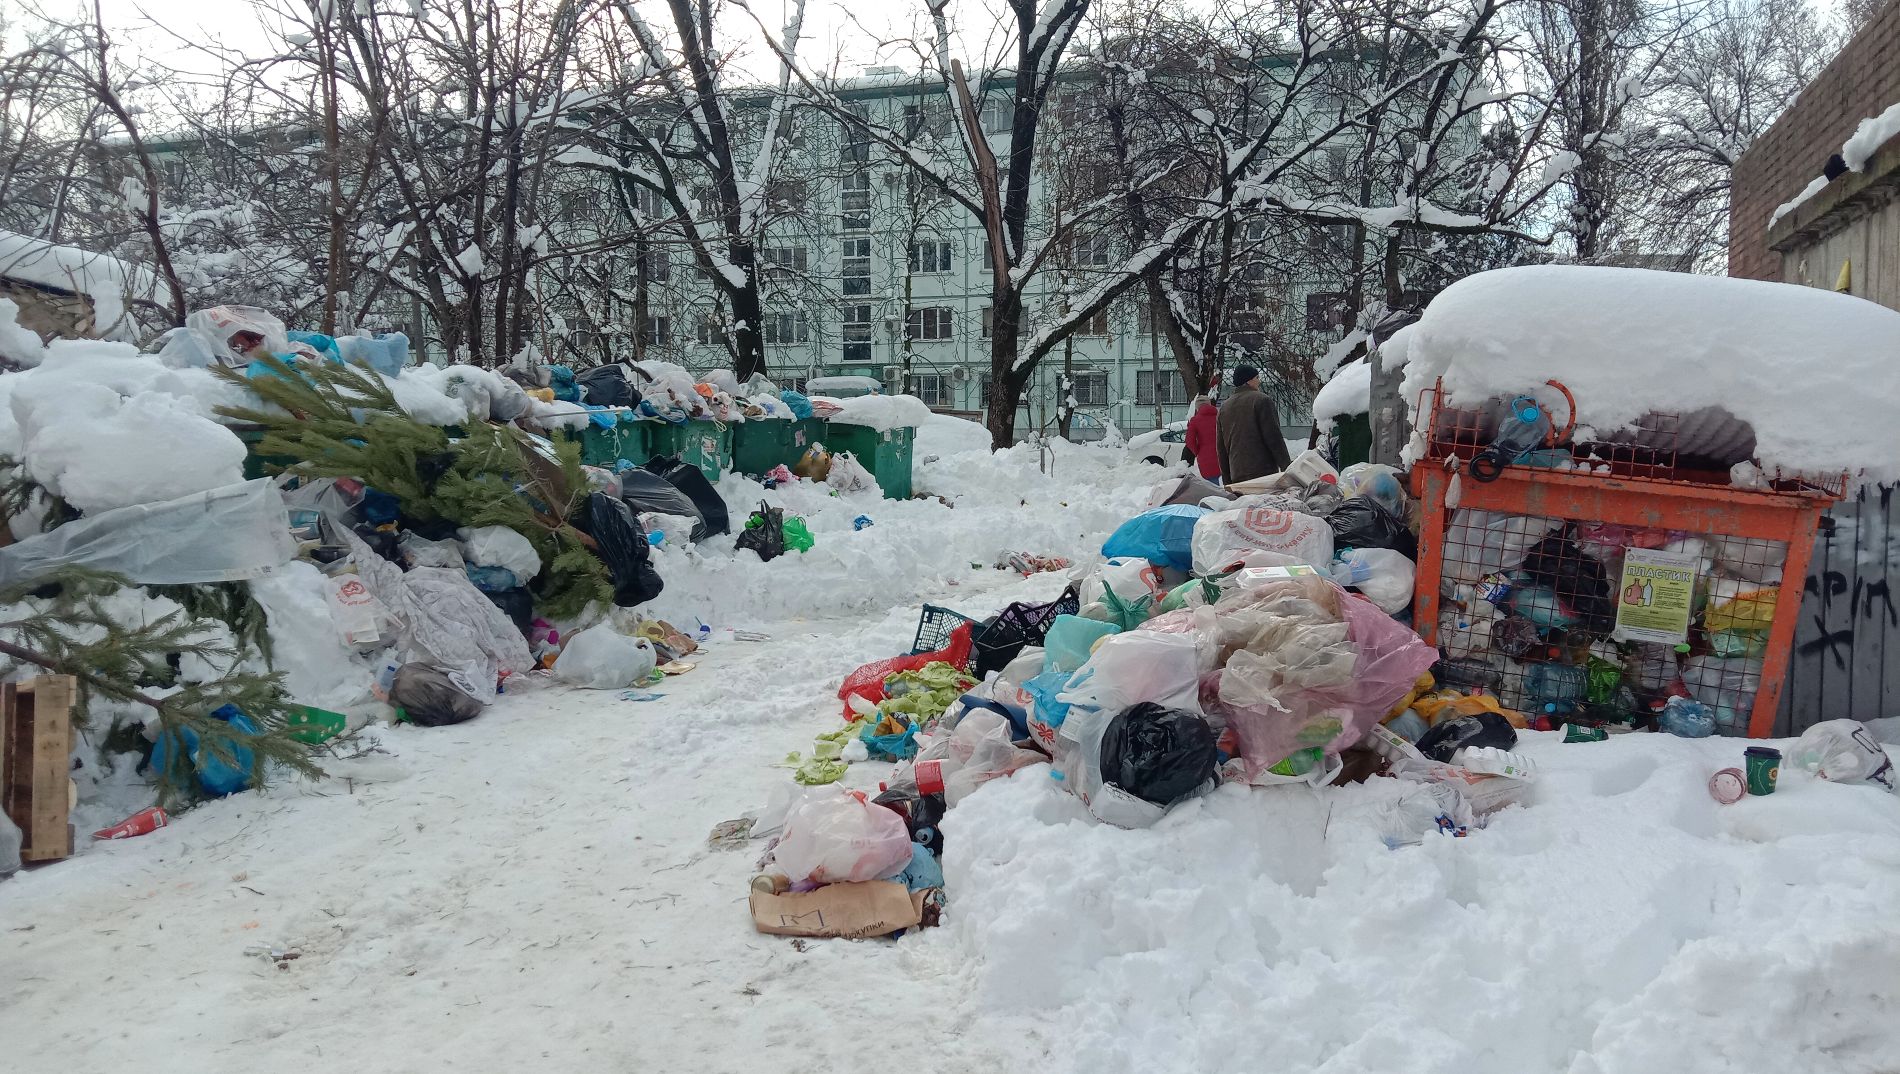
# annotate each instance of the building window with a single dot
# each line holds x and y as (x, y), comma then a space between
(1074, 109)
(855, 276)
(989, 317)
(930, 324)
(930, 256)
(657, 265)
(1173, 388)
(1327, 310)
(647, 201)
(857, 332)
(1096, 325)
(913, 120)
(1145, 317)
(785, 258)
(856, 143)
(1090, 387)
(1094, 250)
(999, 112)
(708, 331)
(793, 327)
(989, 256)
(657, 332)
(857, 201)
(932, 388)
(792, 384)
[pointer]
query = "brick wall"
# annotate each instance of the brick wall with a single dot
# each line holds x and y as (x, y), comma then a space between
(1861, 82)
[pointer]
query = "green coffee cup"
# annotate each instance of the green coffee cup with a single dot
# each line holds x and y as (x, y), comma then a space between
(1763, 768)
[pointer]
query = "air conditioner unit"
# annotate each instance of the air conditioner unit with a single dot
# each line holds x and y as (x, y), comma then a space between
(960, 374)
(893, 374)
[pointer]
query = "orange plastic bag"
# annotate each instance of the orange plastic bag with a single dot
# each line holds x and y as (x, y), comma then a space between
(868, 681)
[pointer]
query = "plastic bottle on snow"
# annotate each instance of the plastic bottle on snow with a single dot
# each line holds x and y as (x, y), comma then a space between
(1524, 428)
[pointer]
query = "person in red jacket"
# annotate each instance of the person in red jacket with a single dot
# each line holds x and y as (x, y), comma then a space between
(1202, 444)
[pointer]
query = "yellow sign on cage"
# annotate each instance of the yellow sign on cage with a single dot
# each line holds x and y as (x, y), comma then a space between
(1656, 597)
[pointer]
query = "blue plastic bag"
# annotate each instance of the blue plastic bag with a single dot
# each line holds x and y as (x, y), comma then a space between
(796, 403)
(898, 747)
(923, 871)
(317, 341)
(216, 777)
(1070, 641)
(1164, 536)
(385, 352)
(566, 388)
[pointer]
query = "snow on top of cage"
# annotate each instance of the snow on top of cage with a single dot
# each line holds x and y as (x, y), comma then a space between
(1348, 393)
(106, 280)
(882, 412)
(1815, 374)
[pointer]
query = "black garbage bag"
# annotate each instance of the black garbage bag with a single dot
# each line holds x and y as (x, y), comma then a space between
(1157, 754)
(1578, 580)
(623, 547)
(1484, 729)
(518, 605)
(688, 479)
(608, 385)
(1364, 523)
(767, 538)
(430, 697)
(650, 492)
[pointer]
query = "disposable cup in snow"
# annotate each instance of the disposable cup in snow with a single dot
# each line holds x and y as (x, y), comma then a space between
(1764, 768)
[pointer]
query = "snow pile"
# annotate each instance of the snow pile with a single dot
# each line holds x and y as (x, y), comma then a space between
(318, 668)
(19, 344)
(882, 412)
(98, 451)
(914, 550)
(1348, 393)
(1621, 923)
(1815, 374)
(1867, 138)
(107, 281)
(942, 436)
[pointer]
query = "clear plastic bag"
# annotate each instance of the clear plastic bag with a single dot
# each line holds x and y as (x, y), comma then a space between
(602, 658)
(1384, 575)
(499, 546)
(847, 474)
(224, 535)
(217, 326)
(1840, 751)
(842, 838)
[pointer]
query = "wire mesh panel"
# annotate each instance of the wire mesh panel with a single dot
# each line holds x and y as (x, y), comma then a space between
(1571, 620)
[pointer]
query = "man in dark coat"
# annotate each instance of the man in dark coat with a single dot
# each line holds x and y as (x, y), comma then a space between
(1249, 431)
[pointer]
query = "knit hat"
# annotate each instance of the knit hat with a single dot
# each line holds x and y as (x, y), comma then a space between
(1244, 374)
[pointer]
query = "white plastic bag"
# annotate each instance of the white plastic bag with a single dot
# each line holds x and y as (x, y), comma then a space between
(1842, 751)
(602, 658)
(848, 474)
(1136, 666)
(842, 839)
(1478, 543)
(785, 798)
(444, 620)
(1221, 537)
(358, 615)
(10, 840)
(1384, 575)
(228, 534)
(499, 546)
(216, 326)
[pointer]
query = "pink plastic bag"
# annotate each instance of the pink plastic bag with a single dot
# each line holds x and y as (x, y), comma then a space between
(842, 839)
(1387, 659)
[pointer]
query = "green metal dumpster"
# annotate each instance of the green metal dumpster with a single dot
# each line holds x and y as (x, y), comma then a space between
(256, 465)
(606, 445)
(886, 454)
(705, 444)
(762, 443)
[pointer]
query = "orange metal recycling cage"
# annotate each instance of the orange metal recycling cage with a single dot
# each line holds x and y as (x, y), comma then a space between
(1642, 488)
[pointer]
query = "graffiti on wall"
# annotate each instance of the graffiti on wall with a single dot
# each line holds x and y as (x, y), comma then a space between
(1841, 662)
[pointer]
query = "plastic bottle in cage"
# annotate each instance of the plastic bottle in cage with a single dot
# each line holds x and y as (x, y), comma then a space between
(1556, 688)
(1523, 429)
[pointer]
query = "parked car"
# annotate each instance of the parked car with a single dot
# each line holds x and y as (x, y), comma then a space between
(1163, 447)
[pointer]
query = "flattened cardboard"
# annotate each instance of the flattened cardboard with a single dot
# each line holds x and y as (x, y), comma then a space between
(873, 908)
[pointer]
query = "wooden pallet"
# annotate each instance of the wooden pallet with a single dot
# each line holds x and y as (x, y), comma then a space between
(36, 745)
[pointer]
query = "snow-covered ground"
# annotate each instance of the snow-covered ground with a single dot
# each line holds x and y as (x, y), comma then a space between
(533, 890)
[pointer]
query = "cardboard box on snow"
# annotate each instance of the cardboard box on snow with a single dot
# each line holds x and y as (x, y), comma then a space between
(873, 908)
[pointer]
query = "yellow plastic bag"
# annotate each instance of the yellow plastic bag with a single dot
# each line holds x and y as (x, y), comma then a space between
(1752, 610)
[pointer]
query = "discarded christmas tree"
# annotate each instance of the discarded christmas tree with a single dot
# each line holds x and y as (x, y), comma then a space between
(62, 623)
(341, 421)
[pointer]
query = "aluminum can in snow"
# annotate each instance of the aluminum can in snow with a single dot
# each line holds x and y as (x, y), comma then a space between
(143, 822)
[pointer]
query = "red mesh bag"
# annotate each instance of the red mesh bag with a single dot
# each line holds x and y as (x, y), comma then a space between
(868, 681)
